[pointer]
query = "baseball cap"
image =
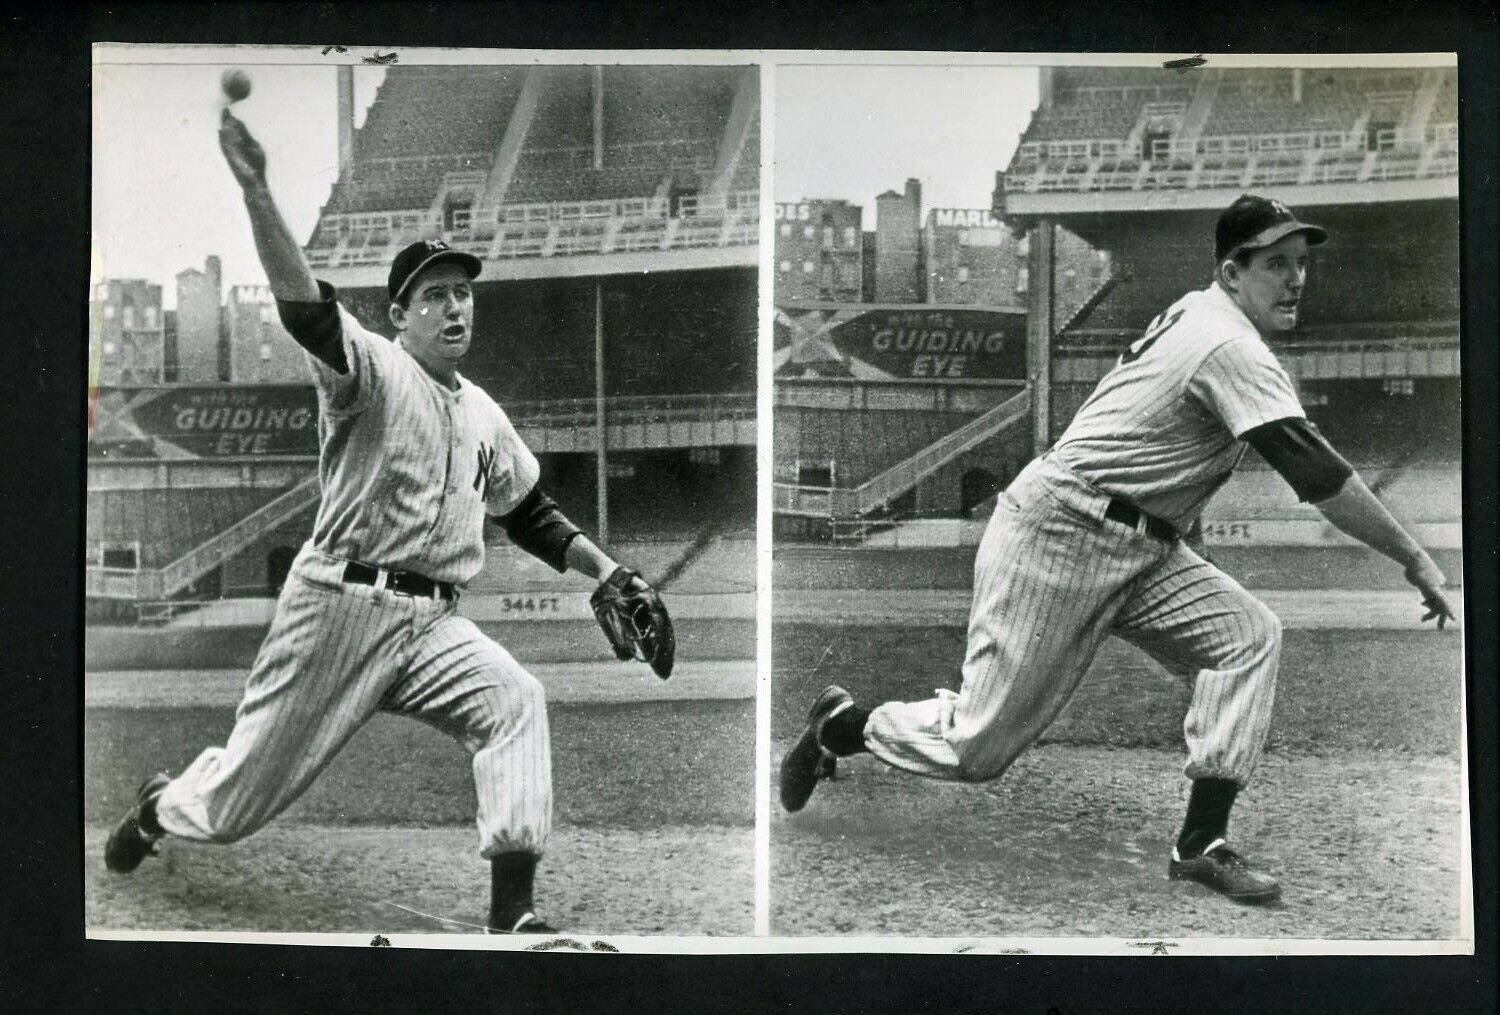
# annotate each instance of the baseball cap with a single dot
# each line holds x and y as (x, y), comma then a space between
(1254, 222)
(421, 254)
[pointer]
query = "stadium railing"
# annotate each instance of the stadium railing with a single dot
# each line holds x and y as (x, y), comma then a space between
(542, 229)
(1229, 160)
(634, 409)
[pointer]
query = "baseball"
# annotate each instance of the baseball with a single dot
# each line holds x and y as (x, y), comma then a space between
(236, 84)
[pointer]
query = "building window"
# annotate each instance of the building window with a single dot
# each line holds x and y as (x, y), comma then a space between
(1023, 248)
(807, 232)
(828, 237)
(130, 317)
(265, 314)
(120, 555)
(786, 229)
(1401, 386)
(109, 348)
(265, 352)
(150, 314)
(109, 311)
(963, 273)
(807, 267)
(1023, 280)
(850, 237)
(785, 266)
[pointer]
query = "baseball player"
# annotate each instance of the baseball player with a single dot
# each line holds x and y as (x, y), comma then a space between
(1088, 541)
(412, 458)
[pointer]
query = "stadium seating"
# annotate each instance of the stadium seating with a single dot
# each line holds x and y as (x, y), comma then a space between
(1347, 125)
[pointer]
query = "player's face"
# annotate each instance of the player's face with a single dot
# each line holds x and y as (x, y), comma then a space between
(438, 324)
(1269, 288)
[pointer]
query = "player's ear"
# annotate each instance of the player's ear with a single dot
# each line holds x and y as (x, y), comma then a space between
(1229, 274)
(398, 316)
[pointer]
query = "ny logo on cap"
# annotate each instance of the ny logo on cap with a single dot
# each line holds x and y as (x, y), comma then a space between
(1281, 209)
(433, 246)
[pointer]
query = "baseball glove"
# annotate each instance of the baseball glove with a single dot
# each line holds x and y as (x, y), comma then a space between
(635, 620)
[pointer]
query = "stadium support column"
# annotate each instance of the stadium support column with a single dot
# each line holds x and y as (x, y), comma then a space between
(1040, 271)
(345, 116)
(601, 478)
(598, 117)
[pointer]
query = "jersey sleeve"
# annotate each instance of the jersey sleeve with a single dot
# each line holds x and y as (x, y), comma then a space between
(365, 353)
(513, 471)
(1242, 384)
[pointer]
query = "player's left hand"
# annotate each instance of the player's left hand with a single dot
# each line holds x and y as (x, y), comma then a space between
(1429, 581)
(246, 158)
(635, 620)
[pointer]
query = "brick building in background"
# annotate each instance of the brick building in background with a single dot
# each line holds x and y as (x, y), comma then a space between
(898, 247)
(260, 350)
(820, 251)
(126, 332)
(198, 324)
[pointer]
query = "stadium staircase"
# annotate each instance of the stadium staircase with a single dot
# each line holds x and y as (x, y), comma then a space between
(738, 126)
(1420, 110)
(162, 583)
(876, 493)
(508, 155)
(1201, 104)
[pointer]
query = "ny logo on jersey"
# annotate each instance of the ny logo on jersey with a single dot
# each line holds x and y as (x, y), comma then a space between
(482, 477)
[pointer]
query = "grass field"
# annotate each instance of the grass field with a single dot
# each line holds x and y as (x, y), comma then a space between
(1356, 805)
(653, 827)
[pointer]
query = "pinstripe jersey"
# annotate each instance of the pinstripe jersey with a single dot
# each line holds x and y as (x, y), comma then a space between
(408, 467)
(1162, 428)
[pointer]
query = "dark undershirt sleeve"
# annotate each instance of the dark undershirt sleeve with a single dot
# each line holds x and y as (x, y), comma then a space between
(537, 526)
(315, 326)
(1308, 463)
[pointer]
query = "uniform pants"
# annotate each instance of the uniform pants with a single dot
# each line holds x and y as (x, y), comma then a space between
(1052, 579)
(334, 656)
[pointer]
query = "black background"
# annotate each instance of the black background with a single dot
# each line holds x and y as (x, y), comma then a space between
(45, 964)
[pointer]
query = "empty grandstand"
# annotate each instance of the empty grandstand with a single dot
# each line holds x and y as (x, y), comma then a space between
(1367, 152)
(550, 162)
(616, 212)
(1138, 162)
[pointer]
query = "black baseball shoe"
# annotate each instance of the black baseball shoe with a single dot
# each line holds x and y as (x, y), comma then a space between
(808, 760)
(1226, 872)
(528, 923)
(130, 842)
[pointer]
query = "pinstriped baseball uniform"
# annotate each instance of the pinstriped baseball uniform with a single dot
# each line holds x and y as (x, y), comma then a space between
(1054, 576)
(408, 470)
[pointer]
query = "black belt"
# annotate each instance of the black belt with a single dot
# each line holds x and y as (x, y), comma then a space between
(1128, 514)
(407, 583)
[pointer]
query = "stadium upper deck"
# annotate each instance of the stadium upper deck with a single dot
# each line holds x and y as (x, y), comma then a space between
(1119, 131)
(528, 164)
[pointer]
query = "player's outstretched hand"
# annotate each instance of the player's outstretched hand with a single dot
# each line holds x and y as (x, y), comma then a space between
(1429, 581)
(246, 158)
(635, 620)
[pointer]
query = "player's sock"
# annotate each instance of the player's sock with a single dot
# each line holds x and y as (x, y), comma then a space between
(1207, 815)
(511, 878)
(844, 734)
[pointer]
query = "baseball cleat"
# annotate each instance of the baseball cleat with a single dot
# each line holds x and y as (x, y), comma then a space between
(529, 923)
(130, 843)
(808, 760)
(1226, 872)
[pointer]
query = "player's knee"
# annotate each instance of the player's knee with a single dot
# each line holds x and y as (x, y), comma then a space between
(978, 762)
(234, 825)
(521, 704)
(1265, 631)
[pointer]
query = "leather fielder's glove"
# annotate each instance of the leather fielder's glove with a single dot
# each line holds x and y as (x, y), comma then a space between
(635, 620)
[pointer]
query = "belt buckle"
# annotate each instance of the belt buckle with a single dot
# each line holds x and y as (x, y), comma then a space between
(382, 578)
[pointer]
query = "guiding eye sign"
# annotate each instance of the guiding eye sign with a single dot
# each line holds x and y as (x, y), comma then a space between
(208, 421)
(900, 341)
